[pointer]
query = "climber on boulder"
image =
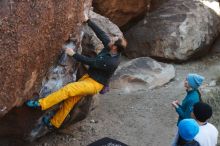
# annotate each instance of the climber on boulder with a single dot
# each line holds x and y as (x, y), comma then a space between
(101, 68)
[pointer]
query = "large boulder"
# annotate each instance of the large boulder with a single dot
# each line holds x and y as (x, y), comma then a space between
(142, 73)
(31, 36)
(179, 30)
(125, 12)
(156, 4)
(121, 11)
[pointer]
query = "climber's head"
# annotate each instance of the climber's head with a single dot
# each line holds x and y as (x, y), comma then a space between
(117, 44)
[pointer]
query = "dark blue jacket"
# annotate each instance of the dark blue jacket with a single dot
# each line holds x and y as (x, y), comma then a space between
(181, 142)
(103, 66)
(192, 143)
(184, 110)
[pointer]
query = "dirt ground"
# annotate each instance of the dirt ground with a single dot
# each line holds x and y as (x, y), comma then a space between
(140, 118)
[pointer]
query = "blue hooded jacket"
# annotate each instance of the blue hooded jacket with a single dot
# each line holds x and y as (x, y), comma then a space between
(184, 110)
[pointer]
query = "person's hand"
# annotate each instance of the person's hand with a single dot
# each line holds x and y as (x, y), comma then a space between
(86, 17)
(86, 14)
(70, 52)
(175, 103)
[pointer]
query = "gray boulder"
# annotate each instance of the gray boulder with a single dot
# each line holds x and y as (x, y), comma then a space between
(142, 73)
(179, 30)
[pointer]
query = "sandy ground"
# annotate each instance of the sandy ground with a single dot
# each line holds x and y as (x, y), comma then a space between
(140, 118)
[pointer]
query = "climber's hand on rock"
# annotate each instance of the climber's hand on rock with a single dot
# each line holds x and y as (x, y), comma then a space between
(86, 14)
(86, 17)
(70, 52)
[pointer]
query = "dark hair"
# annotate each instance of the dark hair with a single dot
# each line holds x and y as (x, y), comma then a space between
(202, 111)
(182, 142)
(119, 45)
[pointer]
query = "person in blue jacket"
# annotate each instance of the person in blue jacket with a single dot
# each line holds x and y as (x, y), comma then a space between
(193, 96)
(191, 83)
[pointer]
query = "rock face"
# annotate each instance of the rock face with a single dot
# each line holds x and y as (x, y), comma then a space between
(142, 73)
(121, 11)
(31, 37)
(179, 30)
(157, 4)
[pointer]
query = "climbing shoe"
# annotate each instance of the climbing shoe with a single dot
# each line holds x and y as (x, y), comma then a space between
(46, 120)
(33, 103)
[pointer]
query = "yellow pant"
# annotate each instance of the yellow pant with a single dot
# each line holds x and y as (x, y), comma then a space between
(71, 93)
